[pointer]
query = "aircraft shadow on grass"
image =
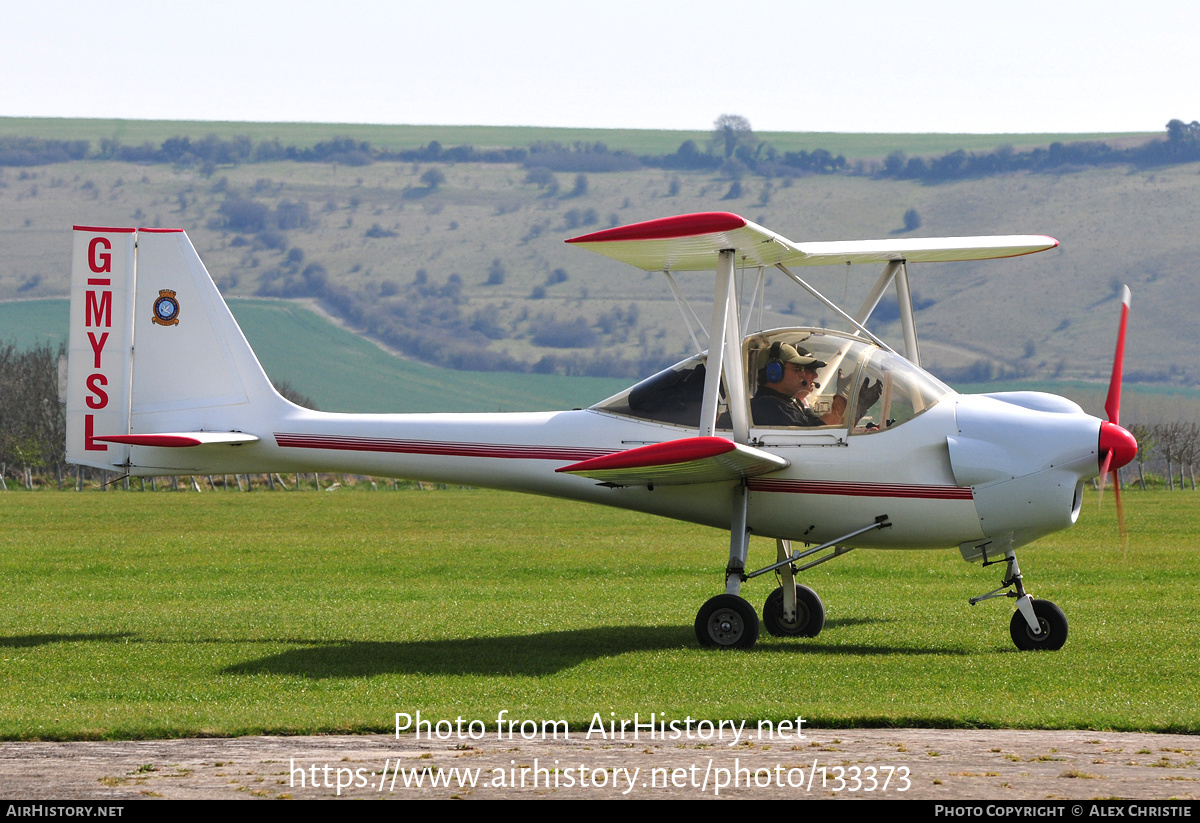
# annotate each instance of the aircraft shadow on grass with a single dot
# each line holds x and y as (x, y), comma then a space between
(23, 641)
(525, 655)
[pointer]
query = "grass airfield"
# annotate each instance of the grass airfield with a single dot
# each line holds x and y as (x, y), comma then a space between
(132, 615)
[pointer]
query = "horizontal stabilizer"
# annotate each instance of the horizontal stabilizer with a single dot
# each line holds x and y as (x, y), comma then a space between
(178, 440)
(690, 242)
(679, 462)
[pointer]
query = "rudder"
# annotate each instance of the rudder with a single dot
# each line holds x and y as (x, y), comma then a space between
(153, 347)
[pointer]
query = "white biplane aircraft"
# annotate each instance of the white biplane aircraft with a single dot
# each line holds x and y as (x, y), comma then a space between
(161, 381)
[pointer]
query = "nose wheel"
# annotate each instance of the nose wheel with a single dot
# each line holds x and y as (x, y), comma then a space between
(1052, 628)
(1037, 624)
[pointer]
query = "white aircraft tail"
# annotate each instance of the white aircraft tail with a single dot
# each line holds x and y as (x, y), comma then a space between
(155, 356)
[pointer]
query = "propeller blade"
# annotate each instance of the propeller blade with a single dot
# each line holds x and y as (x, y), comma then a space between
(1103, 477)
(1120, 511)
(1112, 405)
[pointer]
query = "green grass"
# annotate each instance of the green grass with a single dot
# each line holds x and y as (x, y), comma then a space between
(146, 615)
(638, 141)
(29, 323)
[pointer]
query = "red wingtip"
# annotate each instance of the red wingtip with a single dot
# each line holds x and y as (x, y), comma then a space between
(664, 228)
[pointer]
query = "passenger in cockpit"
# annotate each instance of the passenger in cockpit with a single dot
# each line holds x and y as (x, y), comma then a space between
(786, 378)
(837, 407)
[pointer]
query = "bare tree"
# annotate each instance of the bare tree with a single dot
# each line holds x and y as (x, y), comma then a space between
(1146, 443)
(1170, 445)
(1189, 450)
(32, 424)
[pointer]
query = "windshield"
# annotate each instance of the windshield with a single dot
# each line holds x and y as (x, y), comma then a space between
(892, 390)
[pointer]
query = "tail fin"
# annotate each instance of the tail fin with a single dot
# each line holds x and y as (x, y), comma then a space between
(153, 348)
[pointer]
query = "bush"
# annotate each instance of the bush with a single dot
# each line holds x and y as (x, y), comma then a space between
(912, 220)
(289, 215)
(377, 230)
(242, 214)
(565, 334)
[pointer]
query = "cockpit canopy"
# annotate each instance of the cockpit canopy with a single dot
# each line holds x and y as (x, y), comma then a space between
(862, 388)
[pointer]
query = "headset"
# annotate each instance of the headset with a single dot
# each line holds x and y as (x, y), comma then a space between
(774, 369)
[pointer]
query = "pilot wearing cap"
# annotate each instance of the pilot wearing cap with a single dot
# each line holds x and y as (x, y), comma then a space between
(787, 372)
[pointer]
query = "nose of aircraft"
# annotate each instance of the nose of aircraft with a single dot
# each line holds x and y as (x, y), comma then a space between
(1119, 442)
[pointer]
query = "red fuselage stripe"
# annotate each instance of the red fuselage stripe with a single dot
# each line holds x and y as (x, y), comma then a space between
(374, 444)
(861, 489)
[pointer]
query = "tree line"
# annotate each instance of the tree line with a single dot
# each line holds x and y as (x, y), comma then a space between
(733, 150)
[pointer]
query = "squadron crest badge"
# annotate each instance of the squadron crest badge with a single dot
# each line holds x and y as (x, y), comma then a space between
(166, 308)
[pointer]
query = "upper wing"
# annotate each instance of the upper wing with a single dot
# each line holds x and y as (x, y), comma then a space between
(679, 462)
(690, 242)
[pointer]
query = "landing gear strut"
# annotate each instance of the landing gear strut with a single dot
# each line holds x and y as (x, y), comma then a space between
(728, 621)
(1037, 624)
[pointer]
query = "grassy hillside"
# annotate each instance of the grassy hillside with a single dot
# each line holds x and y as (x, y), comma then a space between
(342, 371)
(375, 229)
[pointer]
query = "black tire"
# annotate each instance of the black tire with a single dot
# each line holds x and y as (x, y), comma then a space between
(727, 622)
(1054, 628)
(810, 614)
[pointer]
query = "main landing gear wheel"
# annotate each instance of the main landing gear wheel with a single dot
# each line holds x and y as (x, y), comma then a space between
(1054, 628)
(727, 622)
(810, 614)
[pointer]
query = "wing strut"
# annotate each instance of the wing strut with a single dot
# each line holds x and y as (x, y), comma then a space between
(757, 298)
(834, 307)
(685, 308)
(904, 299)
(896, 270)
(885, 280)
(725, 357)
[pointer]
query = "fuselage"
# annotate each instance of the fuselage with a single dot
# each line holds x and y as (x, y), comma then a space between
(965, 468)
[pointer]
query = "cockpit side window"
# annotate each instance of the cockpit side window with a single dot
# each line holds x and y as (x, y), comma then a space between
(674, 396)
